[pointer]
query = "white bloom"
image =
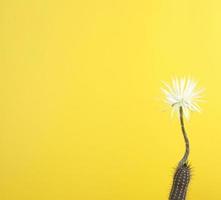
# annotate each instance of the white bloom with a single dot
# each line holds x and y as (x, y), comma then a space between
(182, 93)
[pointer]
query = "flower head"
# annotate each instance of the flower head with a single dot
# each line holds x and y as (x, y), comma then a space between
(183, 93)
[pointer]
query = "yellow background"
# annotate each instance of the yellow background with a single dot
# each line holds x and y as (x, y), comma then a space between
(81, 112)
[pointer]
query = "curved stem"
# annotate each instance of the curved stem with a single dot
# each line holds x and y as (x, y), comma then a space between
(187, 152)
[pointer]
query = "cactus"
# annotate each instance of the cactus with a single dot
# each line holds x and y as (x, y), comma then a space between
(180, 182)
(183, 98)
(183, 171)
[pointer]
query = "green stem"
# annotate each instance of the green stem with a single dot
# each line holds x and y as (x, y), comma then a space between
(187, 152)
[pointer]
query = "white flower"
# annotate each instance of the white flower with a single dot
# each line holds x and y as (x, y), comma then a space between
(182, 93)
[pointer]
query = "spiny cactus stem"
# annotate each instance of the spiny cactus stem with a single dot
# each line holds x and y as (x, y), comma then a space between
(186, 155)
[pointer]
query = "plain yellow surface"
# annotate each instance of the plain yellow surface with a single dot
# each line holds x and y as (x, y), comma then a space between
(82, 116)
